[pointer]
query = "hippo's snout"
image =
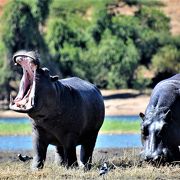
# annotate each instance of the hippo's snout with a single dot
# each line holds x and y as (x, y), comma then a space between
(155, 156)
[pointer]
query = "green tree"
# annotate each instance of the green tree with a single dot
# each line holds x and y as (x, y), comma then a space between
(112, 61)
(167, 59)
(19, 30)
(154, 19)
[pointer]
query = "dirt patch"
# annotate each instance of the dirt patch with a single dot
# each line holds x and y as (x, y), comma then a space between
(172, 10)
(117, 102)
(124, 102)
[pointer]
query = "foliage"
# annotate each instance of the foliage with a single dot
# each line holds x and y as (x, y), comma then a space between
(167, 59)
(141, 81)
(126, 27)
(20, 28)
(153, 18)
(5, 72)
(111, 59)
(144, 2)
(82, 38)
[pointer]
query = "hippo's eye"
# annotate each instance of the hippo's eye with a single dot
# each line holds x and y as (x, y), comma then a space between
(162, 131)
(144, 131)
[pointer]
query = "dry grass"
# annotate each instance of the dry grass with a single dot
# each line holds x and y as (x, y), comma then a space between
(125, 166)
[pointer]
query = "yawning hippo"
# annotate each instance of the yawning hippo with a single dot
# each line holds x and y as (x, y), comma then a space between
(64, 113)
(160, 128)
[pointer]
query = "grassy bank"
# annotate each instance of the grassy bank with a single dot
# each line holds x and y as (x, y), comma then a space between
(120, 127)
(108, 127)
(15, 129)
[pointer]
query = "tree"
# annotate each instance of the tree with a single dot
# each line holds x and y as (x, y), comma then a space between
(112, 62)
(167, 59)
(19, 31)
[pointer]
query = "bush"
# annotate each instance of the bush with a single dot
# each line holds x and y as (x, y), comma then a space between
(20, 29)
(167, 59)
(141, 81)
(154, 19)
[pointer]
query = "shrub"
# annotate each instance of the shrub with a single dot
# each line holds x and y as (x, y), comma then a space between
(167, 59)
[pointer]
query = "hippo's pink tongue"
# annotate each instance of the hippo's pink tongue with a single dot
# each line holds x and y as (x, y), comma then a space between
(25, 94)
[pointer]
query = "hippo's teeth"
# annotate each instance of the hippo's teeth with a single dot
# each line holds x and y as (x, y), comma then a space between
(11, 99)
(32, 101)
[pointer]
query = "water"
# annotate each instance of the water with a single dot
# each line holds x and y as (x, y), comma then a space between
(14, 120)
(107, 118)
(122, 118)
(103, 140)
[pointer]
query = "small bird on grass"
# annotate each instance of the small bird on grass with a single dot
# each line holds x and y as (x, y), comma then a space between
(103, 169)
(24, 158)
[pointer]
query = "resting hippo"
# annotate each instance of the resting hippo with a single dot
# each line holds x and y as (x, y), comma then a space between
(160, 128)
(64, 113)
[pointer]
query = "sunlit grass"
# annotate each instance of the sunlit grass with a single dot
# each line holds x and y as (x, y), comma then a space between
(108, 127)
(15, 129)
(121, 127)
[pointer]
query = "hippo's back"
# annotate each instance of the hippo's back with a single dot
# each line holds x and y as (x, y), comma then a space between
(165, 93)
(78, 84)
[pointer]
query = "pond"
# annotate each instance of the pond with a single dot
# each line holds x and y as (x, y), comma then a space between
(103, 140)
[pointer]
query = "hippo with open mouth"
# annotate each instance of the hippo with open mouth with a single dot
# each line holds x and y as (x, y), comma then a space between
(64, 113)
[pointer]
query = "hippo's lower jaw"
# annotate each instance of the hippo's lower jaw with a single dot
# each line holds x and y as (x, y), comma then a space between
(20, 109)
(155, 158)
(24, 101)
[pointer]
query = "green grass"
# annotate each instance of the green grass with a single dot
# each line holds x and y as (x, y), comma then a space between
(108, 127)
(15, 129)
(120, 127)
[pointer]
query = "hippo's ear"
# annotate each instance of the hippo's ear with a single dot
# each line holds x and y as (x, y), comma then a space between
(54, 78)
(45, 71)
(141, 115)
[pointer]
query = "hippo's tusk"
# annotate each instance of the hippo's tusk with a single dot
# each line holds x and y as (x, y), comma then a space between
(11, 101)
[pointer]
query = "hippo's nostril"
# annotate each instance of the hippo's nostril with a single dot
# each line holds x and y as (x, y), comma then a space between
(165, 151)
(147, 158)
(155, 158)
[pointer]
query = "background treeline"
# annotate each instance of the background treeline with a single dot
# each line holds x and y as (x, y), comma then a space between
(87, 38)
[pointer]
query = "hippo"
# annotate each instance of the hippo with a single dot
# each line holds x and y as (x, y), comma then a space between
(64, 113)
(160, 127)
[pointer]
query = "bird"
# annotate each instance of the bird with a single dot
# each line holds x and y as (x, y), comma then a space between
(24, 158)
(103, 169)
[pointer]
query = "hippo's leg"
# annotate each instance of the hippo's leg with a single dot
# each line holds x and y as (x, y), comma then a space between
(59, 156)
(40, 149)
(175, 154)
(70, 150)
(87, 148)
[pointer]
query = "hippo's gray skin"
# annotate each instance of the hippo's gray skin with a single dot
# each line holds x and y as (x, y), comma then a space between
(64, 113)
(160, 128)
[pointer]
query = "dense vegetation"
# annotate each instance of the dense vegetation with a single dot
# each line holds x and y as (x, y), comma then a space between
(88, 39)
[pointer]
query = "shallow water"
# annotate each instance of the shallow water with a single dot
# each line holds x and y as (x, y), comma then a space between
(107, 118)
(103, 140)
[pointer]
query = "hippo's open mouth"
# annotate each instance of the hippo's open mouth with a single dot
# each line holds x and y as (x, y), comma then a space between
(24, 101)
